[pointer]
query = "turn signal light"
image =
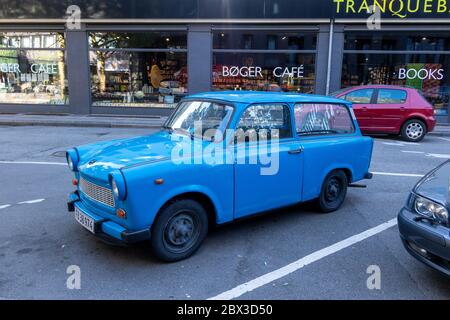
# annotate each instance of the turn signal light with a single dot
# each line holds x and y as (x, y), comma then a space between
(121, 213)
(75, 182)
(159, 181)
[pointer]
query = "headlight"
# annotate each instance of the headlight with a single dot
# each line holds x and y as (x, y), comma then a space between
(431, 209)
(72, 159)
(114, 188)
(118, 185)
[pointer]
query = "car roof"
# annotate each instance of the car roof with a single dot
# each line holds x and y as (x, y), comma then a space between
(249, 97)
(378, 86)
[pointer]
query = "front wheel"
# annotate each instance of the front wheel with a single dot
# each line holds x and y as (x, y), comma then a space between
(179, 230)
(333, 192)
(413, 130)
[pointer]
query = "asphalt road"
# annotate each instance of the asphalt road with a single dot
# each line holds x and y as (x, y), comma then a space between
(39, 239)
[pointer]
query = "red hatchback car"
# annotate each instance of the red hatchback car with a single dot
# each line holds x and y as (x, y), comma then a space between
(390, 110)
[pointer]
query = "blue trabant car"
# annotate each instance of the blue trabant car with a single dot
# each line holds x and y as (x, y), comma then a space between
(219, 157)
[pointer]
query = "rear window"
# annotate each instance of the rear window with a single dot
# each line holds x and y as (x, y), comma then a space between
(322, 119)
(391, 96)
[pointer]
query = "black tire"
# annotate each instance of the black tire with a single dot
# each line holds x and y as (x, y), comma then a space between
(333, 192)
(179, 230)
(414, 130)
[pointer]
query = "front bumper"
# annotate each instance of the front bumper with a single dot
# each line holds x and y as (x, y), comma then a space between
(421, 235)
(106, 229)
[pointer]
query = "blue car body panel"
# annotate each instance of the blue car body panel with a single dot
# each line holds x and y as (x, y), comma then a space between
(235, 190)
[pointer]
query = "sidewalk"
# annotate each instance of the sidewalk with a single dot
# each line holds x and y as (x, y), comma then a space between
(81, 121)
(108, 121)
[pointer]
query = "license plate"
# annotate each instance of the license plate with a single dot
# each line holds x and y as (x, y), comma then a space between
(84, 220)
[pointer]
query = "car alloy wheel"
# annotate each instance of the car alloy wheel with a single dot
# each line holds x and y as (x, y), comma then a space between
(414, 130)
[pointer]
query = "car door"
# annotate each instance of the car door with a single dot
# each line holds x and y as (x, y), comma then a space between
(268, 160)
(327, 134)
(361, 100)
(389, 110)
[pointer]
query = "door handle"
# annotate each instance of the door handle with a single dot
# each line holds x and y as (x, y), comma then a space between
(296, 151)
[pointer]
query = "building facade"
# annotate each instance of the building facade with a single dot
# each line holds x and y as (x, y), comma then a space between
(129, 57)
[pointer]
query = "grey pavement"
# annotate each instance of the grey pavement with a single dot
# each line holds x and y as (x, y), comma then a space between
(39, 241)
(67, 120)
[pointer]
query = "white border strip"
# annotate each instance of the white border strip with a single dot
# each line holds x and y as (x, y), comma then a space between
(399, 174)
(34, 162)
(296, 265)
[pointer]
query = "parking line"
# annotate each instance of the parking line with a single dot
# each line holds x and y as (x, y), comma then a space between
(399, 174)
(5, 206)
(31, 201)
(407, 151)
(35, 162)
(445, 139)
(299, 264)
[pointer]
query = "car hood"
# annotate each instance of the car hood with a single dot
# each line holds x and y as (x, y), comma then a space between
(436, 185)
(97, 160)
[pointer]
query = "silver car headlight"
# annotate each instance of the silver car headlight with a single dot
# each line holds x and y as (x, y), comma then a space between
(431, 209)
(72, 159)
(118, 185)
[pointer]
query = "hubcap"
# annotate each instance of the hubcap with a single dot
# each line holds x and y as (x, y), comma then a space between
(181, 232)
(333, 190)
(414, 130)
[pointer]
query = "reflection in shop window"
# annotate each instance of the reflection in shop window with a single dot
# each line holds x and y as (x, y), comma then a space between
(32, 76)
(429, 73)
(123, 74)
(294, 72)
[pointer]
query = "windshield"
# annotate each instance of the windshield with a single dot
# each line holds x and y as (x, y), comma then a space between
(198, 117)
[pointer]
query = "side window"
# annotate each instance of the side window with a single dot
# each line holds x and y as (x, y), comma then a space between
(323, 119)
(359, 96)
(391, 96)
(264, 122)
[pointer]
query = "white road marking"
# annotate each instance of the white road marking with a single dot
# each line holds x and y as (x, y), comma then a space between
(5, 206)
(394, 144)
(445, 139)
(31, 201)
(299, 264)
(35, 162)
(395, 174)
(408, 151)
(438, 155)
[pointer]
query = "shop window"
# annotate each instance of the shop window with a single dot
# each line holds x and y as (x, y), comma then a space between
(132, 77)
(323, 119)
(390, 96)
(413, 41)
(293, 72)
(29, 74)
(264, 40)
(428, 73)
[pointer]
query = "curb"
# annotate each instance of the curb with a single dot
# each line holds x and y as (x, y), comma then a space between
(89, 124)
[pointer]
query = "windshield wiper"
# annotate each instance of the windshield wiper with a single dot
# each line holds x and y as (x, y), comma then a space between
(318, 131)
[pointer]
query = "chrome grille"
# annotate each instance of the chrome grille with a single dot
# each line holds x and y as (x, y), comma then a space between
(97, 193)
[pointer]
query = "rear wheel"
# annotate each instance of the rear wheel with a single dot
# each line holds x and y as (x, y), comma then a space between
(179, 230)
(413, 130)
(333, 192)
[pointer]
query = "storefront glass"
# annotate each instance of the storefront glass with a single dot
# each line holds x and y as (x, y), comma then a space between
(412, 64)
(138, 69)
(264, 61)
(32, 68)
